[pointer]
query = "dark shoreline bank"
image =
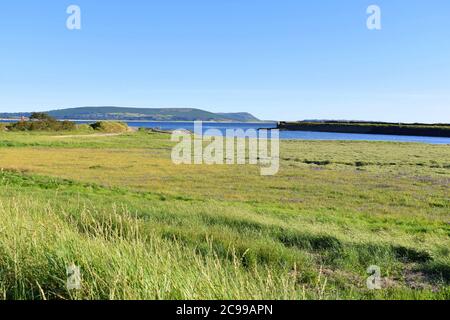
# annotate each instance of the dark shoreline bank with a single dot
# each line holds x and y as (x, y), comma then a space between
(424, 130)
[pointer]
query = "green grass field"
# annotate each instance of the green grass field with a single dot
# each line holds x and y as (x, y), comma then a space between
(141, 227)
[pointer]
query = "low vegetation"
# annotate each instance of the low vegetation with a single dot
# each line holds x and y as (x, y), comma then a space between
(141, 227)
(45, 123)
(417, 129)
(110, 126)
(42, 122)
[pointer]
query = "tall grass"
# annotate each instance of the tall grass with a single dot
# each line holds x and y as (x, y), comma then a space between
(118, 260)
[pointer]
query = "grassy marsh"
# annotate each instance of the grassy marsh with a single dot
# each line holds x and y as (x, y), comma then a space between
(141, 227)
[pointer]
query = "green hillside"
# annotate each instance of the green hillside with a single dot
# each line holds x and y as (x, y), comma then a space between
(240, 116)
(140, 114)
(152, 114)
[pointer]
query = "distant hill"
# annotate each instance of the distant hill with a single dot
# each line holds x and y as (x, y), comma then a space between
(140, 114)
(240, 116)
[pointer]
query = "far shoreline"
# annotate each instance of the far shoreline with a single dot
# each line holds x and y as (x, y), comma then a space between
(159, 121)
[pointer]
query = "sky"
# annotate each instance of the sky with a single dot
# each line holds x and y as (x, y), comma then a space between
(277, 59)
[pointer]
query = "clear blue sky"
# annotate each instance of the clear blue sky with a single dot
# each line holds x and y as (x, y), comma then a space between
(278, 59)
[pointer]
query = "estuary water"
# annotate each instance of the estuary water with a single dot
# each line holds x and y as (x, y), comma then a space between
(286, 135)
(291, 135)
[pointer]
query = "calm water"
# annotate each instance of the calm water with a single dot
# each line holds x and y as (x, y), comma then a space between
(288, 135)
(292, 135)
